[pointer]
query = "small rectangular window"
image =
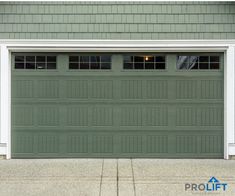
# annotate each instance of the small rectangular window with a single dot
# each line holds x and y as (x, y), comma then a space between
(144, 62)
(198, 62)
(35, 62)
(90, 62)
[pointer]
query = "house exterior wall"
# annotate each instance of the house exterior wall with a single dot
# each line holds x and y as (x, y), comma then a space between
(117, 20)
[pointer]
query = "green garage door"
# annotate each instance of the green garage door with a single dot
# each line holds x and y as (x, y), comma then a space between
(117, 105)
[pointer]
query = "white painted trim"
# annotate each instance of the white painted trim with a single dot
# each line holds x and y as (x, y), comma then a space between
(5, 102)
(226, 46)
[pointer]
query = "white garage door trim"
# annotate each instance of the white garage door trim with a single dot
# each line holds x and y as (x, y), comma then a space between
(8, 46)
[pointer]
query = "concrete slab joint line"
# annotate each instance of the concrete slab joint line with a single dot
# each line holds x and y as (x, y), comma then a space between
(133, 177)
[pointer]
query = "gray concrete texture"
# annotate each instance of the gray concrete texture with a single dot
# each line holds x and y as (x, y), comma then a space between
(112, 177)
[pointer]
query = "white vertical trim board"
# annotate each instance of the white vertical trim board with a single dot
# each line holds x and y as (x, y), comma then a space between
(5, 102)
(8, 46)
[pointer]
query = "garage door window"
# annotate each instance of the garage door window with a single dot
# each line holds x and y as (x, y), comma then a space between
(198, 62)
(90, 62)
(35, 62)
(144, 62)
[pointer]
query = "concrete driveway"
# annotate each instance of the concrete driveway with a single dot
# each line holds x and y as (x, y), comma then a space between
(111, 177)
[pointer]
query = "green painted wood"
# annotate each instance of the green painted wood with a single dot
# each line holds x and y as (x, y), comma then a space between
(117, 20)
(117, 113)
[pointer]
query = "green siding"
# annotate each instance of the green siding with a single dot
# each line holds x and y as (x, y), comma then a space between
(118, 20)
(117, 113)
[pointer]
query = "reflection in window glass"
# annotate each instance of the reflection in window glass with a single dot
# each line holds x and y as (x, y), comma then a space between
(144, 62)
(198, 62)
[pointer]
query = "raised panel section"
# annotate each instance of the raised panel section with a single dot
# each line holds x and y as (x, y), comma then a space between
(132, 116)
(156, 116)
(132, 89)
(77, 116)
(77, 89)
(210, 116)
(186, 116)
(48, 116)
(186, 89)
(131, 144)
(48, 143)
(156, 89)
(48, 89)
(211, 143)
(102, 89)
(23, 115)
(102, 116)
(102, 144)
(212, 89)
(22, 88)
(23, 143)
(77, 144)
(186, 144)
(157, 144)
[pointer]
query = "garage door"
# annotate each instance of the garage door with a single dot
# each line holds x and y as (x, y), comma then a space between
(117, 105)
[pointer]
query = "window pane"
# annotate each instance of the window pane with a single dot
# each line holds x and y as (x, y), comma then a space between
(139, 65)
(51, 65)
(40, 58)
(105, 58)
(30, 58)
(41, 65)
(148, 59)
(128, 59)
(51, 59)
(95, 59)
(160, 59)
(95, 65)
(182, 62)
(203, 65)
(149, 65)
(160, 66)
(19, 65)
(204, 59)
(105, 65)
(84, 65)
(128, 66)
(73, 65)
(214, 59)
(73, 58)
(138, 59)
(30, 65)
(214, 65)
(19, 59)
(84, 59)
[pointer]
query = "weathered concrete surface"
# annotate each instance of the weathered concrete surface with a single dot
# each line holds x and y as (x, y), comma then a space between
(111, 177)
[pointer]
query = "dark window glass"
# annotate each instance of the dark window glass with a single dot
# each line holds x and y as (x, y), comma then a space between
(19, 59)
(149, 65)
(30, 58)
(138, 59)
(128, 59)
(128, 66)
(95, 59)
(84, 65)
(214, 65)
(214, 59)
(149, 59)
(73, 65)
(30, 65)
(105, 65)
(160, 59)
(203, 65)
(73, 58)
(51, 65)
(139, 65)
(40, 59)
(204, 59)
(41, 65)
(95, 65)
(160, 66)
(51, 59)
(105, 58)
(19, 65)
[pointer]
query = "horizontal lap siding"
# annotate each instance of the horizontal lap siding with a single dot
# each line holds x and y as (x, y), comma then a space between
(112, 20)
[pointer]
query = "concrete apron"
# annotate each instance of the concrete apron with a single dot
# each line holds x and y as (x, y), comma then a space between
(111, 177)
